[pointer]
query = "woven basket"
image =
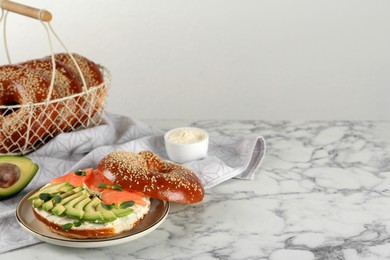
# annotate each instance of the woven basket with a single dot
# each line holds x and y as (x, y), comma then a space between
(85, 108)
(26, 127)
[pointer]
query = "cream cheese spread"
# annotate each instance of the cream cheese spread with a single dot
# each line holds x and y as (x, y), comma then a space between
(187, 136)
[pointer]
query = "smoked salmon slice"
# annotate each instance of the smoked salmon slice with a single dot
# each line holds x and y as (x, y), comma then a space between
(93, 180)
(76, 178)
(110, 196)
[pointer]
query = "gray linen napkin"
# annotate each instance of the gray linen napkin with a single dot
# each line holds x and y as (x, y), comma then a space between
(228, 157)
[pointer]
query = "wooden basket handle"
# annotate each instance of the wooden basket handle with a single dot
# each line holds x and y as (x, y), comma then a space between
(29, 11)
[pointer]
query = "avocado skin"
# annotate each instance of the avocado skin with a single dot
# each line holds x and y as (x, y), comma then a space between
(28, 169)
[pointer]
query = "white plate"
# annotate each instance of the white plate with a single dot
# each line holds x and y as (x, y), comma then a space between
(26, 218)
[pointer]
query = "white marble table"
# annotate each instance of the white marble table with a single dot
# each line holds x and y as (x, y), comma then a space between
(323, 192)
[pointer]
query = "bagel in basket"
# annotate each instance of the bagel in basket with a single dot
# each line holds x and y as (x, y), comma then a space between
(28, 116)
(109, 200)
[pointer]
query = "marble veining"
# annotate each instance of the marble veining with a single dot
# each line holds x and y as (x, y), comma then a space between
(322, 192)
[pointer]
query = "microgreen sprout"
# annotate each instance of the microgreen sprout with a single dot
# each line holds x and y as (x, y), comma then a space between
(102, 185)
(127, 204)
(80, 173)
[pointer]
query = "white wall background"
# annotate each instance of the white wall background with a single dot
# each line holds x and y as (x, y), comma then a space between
(226, 59)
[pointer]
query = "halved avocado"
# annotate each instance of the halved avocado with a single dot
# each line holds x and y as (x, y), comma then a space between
(16, 172)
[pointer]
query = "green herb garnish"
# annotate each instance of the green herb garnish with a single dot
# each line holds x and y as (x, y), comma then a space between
(45, 196)
(127, 204)
(57, 198)
(77, 223)
(67, 226)
(102, 185)
(80, 173)
(114, 187)
(107, 206)
(117, 187)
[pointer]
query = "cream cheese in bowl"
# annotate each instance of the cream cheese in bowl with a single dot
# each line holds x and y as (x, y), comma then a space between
(187, 136)
(185, 144)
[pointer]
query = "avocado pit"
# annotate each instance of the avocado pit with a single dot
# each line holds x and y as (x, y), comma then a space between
(9, 174)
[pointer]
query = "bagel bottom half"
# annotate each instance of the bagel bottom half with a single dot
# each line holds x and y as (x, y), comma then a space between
(89, 230)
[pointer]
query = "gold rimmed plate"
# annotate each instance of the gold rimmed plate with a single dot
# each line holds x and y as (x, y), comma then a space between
(24, 214)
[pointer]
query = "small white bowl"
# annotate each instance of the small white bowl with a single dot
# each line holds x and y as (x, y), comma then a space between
(186, 144)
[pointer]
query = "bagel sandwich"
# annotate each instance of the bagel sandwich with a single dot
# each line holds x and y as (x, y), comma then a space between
(115, 197)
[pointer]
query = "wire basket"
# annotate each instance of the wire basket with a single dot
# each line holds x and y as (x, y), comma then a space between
(26, 127)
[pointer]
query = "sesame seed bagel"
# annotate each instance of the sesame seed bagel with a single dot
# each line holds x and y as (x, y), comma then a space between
(147, 173)
(29, 83)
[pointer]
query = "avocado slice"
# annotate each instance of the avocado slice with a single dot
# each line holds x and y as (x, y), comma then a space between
(70, 208)
(108, 215)
(122, 212)
(48, 205)
(93, 215)
(59, 208)
(38, 203)
(16, 172)
(81, 204)
(50, 189)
